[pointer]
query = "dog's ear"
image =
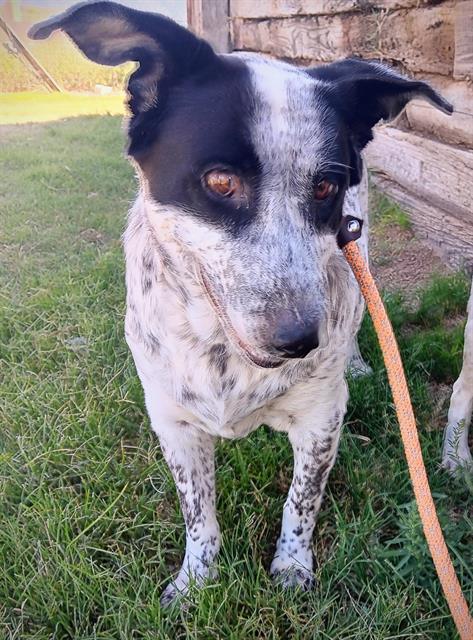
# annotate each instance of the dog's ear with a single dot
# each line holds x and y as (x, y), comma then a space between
(110, 34)
(366, 92)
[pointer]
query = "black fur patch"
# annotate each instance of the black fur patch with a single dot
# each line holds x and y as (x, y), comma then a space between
(202, 124)
(218, 358)
(363, 93)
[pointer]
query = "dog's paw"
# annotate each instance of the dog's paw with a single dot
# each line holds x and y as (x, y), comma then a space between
(172, 595)
(289, 572)
(456, 458)
(194, 576)
(175, 594)
(358, 368)
(294, 577)
(454, 461)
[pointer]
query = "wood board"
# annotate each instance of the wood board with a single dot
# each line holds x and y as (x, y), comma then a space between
(421, 40)
(439, 172)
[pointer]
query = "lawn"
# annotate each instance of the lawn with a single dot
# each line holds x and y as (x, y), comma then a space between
(31, 106)
(90, 526)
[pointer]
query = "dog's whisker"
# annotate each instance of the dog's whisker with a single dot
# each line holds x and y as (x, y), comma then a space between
(334, 167)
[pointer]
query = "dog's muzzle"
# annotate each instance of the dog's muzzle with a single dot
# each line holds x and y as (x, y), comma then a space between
(291, 337)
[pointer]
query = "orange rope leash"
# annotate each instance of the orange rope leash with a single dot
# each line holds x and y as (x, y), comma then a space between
(433, 533)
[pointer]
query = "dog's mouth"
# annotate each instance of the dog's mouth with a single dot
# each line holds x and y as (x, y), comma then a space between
(248, 352)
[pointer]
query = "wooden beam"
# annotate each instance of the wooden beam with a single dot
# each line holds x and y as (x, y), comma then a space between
(421, 40)
(288, 8)
(463, 65)
(209, 19)
(436, 172)
(37, 68)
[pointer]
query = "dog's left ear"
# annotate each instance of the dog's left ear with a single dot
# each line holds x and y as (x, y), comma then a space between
(110, 34)
(366, 92)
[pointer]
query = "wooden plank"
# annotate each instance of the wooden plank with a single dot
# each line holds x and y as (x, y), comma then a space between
(449, 234)
(45, 77)
(440, 173)
(285, 8)
(209, 19)
(320, 39)
(396, 4)
(419, 39)
(463, 65)
(288, 8)
(455, 129)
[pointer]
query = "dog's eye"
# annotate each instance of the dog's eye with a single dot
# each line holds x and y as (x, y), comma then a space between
(224, 183)
(324, 189)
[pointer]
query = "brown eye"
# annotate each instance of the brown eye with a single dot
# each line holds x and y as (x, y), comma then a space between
(224, 184)
(324, 189)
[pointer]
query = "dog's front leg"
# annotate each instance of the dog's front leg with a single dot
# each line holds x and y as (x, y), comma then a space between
(314, 454)
(189, 454)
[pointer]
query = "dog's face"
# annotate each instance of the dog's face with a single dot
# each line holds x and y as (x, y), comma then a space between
(247, 160)
(254, 164)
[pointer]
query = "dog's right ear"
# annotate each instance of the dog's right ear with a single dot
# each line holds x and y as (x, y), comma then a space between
(365, 92)
(110, 34)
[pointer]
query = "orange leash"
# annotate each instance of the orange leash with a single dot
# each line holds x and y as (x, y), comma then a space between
(397, 380)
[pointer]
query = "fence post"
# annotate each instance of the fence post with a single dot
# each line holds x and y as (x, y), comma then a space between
(38, 69)
(210, 19)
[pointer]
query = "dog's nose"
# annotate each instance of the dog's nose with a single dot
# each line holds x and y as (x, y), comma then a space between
(296, 340)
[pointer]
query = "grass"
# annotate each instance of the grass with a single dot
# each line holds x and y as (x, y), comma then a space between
(90, 526)
(30, 106)
(386, 212)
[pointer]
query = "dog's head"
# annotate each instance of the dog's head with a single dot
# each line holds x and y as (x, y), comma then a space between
(247, 160)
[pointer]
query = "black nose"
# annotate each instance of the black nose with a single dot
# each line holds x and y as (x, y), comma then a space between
(296, 340)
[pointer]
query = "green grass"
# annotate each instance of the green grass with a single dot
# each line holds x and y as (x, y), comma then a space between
(386, 212)
(89, 524)
(25, 107)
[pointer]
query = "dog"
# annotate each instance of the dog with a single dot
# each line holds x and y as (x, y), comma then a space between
(241, 309)
(456, 452)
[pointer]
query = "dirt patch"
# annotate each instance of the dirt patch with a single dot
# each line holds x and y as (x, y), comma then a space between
(440, 394)
(93, 236)
(399, 260)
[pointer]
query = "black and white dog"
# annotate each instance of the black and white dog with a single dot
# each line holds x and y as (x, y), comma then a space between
(241, 309)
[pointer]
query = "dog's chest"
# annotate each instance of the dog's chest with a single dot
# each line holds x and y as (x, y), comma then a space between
(210, 385)
(189, 369)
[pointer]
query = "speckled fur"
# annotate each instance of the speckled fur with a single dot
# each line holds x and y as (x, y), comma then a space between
(198, 384)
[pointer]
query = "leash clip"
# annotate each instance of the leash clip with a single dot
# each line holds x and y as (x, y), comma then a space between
(350, 230)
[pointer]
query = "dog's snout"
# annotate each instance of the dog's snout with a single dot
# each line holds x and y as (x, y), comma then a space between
(295, 339)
